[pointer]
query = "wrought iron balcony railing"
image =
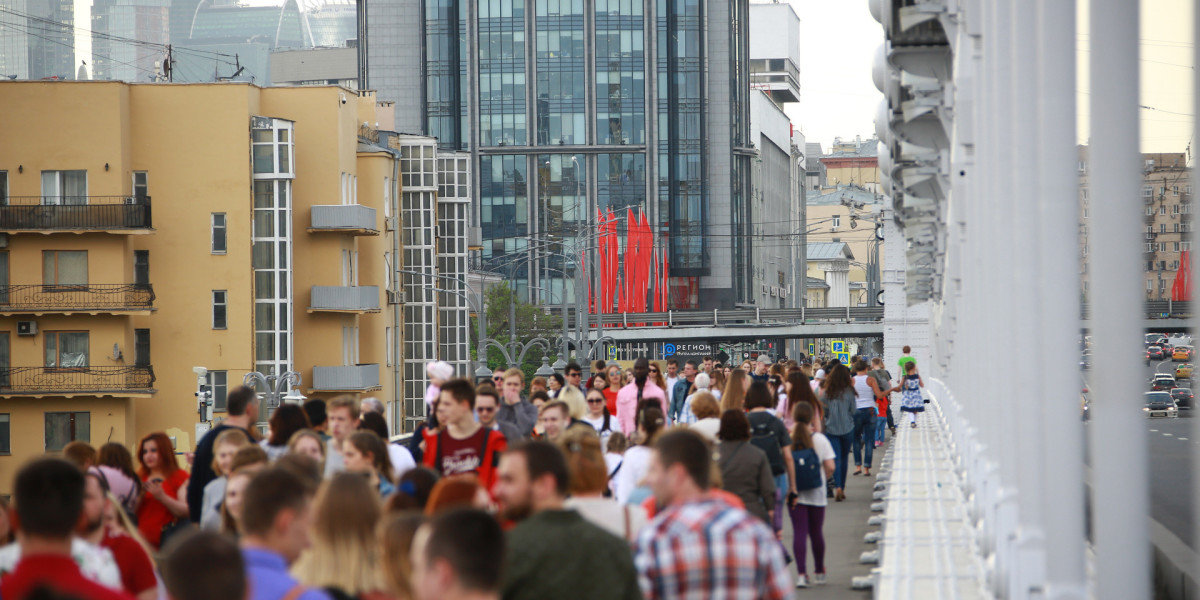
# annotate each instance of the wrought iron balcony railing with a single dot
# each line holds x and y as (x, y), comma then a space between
(80, 380)
(76, 298)
(36, 213)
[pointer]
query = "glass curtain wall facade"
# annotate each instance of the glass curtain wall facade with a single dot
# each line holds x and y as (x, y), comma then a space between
(561, 73)
(504, 217)
(682, 192)
(446, 72)
(502, 112)
(620, 72)
(274, 169)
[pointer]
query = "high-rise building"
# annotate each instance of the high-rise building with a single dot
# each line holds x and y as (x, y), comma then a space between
(14, 39)
(114, 22)
(222, 226)
(52, 43)
(570, 107)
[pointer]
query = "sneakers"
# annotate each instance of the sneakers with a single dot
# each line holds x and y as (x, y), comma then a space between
(913, 424)
(819, 579)
(802, 581)
(878, 444)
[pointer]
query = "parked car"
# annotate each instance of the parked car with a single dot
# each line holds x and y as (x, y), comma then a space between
(1183, 397)
(1160, 404)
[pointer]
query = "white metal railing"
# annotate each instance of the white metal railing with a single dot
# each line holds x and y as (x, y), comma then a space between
(349, 217)
(349, 298)
(346, 378)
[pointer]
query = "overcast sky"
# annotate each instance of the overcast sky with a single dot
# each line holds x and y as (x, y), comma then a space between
(837, 98)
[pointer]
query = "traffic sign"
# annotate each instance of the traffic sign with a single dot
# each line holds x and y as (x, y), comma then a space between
(837, 346)
(843, 357)
(812, 349)
(612, 353)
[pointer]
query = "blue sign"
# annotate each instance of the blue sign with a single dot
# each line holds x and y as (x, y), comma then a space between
(843, 357)
(838, 346)
(612, 353)
(668, 349)
(812, 349)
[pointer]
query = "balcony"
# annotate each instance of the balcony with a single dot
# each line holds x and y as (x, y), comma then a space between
(354, 219)
(355, 378)
(39, 214)
(76, 381)
(345, 299)
(131, 299)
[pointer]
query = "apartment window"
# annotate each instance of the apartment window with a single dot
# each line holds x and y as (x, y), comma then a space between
(63, 428)
(1147, 191)
(1174, 190)
(220, 318)
(218, 382)
(1149, 210)
(5, 435)
(1162, 285)
(1186, 246)
(1150, 247)
(4, 278)
(272, 146)
(3, 187)
(388, 341)
(1187, 190)
(64, 187)
(66, 349)
(64, 267)
(837, 221)
(220, 243)
(1162, 227)
(1087, 213)
(141, 186)
(387, 197)
(1174, 265)
(1149, 285)
(1174, 227)
(1174, 209)
(1176, 247)
(1162, 210)
(1162, 247)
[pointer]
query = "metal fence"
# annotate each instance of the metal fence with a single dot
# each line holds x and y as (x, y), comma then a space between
(75, 213)
(32, 380)
(110, 297)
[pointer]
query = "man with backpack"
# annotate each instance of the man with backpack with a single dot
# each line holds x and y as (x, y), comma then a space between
(463, 446)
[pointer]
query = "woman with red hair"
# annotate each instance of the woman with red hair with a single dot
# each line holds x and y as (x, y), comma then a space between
(163, 480)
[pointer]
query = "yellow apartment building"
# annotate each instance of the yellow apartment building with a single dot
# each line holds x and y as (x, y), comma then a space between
(845, 214)
(148, 229)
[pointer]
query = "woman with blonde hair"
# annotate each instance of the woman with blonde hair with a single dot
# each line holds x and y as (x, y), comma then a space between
(708, 416)
(576, 404)
(308, 443)
(588, 481)
(344, 555)
(734, 396)
(225, 447)
(717, 385)
(396, 535)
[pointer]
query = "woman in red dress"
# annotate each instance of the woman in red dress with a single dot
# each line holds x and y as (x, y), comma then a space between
(163, 481)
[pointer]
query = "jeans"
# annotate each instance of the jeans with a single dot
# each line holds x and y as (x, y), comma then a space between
(808, 522)
(880, 426)
(864, 435)
(782, 487)
(841, 450)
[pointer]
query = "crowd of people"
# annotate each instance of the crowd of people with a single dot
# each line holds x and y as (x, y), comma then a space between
(656, 482)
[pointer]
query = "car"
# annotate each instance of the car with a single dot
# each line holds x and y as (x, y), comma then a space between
(1162, 382)
(1184, 371)
(1160, 404)
(1085, 362)
(1180, 354)
(1183, 397)
(1155, 352)
(1152, 339)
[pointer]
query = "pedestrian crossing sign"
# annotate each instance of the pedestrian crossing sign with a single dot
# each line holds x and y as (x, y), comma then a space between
(612, 353)
(843, 357)
(812, 349)
(838, 346)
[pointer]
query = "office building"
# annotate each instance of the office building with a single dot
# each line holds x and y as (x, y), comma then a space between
(568, 108)
(113, 22)
(223, 226)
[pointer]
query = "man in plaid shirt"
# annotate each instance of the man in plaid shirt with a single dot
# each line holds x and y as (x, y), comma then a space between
(700, 547)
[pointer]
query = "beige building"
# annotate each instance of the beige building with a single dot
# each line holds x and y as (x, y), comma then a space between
(161, 227)
(847, 214)
(1167, 219)
(852, 163)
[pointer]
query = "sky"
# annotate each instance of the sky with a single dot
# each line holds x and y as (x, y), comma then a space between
(838, 42)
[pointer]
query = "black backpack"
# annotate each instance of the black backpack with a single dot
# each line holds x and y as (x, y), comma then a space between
(762, 435)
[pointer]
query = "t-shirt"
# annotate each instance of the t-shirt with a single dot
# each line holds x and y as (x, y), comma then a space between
(905, 360)
(461, 456)
(137, 572)
(816, 496)
(202, 471)
(614, 426)
(57, 572)
(93, 562)
(153, 515)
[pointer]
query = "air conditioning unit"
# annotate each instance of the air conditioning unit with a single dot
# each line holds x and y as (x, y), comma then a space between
(390, 223)
(26, 327)
(395, 297)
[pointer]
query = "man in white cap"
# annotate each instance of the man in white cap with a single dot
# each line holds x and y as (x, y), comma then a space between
(760, 368)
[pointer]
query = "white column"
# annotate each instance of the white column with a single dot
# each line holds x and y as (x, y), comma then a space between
(1195, 282)
(1119, 487)
(1058, 226)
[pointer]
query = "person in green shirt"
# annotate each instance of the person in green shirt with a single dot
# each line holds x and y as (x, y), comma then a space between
(553, 552)
(906, 358)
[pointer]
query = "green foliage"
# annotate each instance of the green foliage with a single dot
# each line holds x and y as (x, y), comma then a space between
(530, 322)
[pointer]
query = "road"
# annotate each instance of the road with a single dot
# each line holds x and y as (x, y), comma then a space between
(1170, 446)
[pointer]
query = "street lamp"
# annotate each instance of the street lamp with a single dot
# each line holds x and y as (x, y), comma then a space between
(545, 370)
(274, 388)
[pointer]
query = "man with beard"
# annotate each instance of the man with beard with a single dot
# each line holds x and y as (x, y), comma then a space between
(137, 573)
(588, 562)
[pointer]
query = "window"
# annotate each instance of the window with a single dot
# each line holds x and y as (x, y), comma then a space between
(1162, 247)
(837, 221)
(66, 349)
(1149, 285)
(3, 187)
(271, 146)
(389, 341)
(63, 428)
(1174, 209)
(1162, 210)
(1162, 227)
(1176, 247)
(1147, 191)
(5, 436)
(141, 347)
(141, 186)
(1150, 247)
(141, 267)
(1174, 227)
(1149, 210)
(4, 278)
(1175, 190)
(218, 382)
(64, 187)
(219, 242)
(64, 267)
(219, 315)
(1186, 246)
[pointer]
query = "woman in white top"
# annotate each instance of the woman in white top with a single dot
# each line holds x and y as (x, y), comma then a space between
(597, 416)
(686, 417)
(807, 506)
(589, 480)
(629, 488)
(866, 389)
(708, 416)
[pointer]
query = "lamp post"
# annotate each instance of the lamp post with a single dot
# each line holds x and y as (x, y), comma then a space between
(276, 389)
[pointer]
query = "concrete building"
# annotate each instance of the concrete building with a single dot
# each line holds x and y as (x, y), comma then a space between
(315, 66)
(830, 261)
(263, 252)
(1167, 194)
(815, 171)
(566, 109)
(850, 214)
(852, 162)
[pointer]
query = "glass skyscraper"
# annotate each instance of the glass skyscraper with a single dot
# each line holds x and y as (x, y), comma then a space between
(569, 107)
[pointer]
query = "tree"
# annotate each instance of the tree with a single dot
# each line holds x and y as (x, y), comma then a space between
(501, 305)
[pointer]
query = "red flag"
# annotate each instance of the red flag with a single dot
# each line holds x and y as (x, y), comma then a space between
(1181, 290)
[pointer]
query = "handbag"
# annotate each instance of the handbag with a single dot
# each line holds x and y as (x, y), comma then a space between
(172, 529)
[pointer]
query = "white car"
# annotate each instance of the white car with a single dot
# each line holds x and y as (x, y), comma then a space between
(1160, 404)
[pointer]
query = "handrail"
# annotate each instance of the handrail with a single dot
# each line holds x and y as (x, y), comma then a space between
(75, 379)
(70, 297)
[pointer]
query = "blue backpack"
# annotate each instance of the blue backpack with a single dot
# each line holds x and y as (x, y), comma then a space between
(808, 469)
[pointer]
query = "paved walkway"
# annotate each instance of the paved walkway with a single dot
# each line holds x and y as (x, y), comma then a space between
(845, 526)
